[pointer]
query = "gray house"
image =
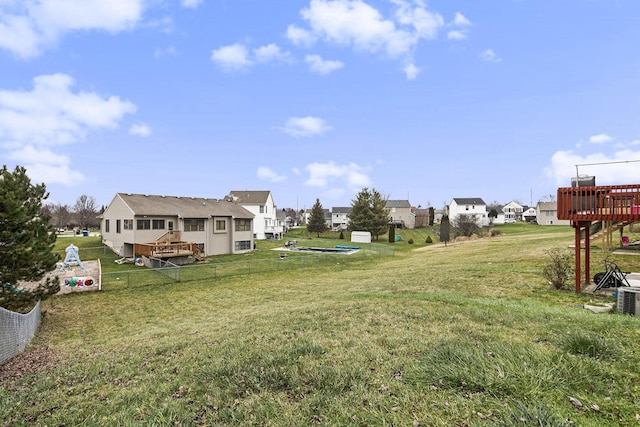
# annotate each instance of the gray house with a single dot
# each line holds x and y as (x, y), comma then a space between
(213, 226)
(401, 213)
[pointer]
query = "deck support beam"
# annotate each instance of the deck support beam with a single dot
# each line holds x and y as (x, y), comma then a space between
(578, 227)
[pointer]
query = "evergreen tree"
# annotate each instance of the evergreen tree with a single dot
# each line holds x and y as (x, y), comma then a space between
(445, 229)
(432, 215)
(316, 222)
(392, 233)
(26, 244)
(369, 213)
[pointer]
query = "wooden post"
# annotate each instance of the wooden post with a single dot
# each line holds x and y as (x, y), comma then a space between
(576, 227)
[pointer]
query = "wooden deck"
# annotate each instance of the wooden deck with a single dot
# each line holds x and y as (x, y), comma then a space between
(167, 250)
(600, 203)
(584, 204)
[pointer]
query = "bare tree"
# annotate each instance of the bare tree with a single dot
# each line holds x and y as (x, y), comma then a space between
(85, 211)
(466, 224)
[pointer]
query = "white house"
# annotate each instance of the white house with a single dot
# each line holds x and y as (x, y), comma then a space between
(512, 211)
(529, 215)
(340, 218)
(473, 206)
(499, 218)
(215, 226)
(266, 224)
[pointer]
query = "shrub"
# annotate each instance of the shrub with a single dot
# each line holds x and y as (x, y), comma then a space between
(429, 240)
(557, 269)
(410, 241)
(341, 235)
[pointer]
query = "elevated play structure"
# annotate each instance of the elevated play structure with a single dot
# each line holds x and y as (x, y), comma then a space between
(584, 202)
(72, 259)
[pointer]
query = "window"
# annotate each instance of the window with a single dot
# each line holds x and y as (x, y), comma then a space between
(143, 224)
(128, 224)
(262, 210)
(118, 229)
(158, 224)
(194, 225)
(106, 225)
(170, 224)
(243, 225)
(242, 245)
(221, 225)
(200, 246)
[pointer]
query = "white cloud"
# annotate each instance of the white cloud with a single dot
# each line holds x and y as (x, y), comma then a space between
(269, 53)
(267, 174)
(236, 57)
(600, 138)
(169, 51)
(306, 126)
(357, 24)
(26, 28)
(193, 4)
(140, 129)
(617, 167)
(457, 35)
(320, 66)
(33, 123)
(350, 176)
(411, 71)
(232, 58)
(461, 20)
(489, 55)
(300, 36)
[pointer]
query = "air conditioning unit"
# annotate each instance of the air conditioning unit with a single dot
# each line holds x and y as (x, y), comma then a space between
(629, 300)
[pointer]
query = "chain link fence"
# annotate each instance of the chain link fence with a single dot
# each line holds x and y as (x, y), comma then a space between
(16, 331)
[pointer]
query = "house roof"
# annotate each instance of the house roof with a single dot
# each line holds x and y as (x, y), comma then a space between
(186, 207)
(398, 204)
(251, 197)
(469, 201)
(547, 206)
(341, 209)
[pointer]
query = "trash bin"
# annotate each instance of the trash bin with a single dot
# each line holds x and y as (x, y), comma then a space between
(85, 233)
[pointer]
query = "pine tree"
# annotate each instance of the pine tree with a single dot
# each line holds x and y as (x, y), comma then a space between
(369, 213)
(316, 222)
(26, 243)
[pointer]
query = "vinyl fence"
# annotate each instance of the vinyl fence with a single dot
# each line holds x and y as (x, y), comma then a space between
(16, 331)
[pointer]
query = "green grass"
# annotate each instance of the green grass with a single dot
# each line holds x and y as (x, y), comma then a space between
(467, 334)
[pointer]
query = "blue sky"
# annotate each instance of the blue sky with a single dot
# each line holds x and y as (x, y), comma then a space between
(310, 99)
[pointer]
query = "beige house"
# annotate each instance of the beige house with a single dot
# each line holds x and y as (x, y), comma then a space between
(401, 213)
(215, 226)
(547, 214)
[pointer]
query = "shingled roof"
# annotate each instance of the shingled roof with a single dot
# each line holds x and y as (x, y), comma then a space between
(186, 207)
(251, 197)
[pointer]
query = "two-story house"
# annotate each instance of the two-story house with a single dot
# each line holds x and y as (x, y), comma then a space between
(266, 224)
(512, 211)
(401, 213)
(547, 214)
(340, 218)
(216, 226)
(473, 206)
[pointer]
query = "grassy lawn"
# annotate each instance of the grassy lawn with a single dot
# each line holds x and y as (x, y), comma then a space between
(467, 334)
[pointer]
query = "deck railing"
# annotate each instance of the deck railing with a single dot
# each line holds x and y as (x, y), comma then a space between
(165, 250)
(599, 203)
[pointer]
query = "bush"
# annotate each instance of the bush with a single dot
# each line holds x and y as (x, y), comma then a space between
(410, 241)
(558, 268)
(341, 235)
(429, 240)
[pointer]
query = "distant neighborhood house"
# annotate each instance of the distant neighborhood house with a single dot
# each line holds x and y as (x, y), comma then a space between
(474, 206)
(267, 223)
(215, 226)
(547, 214)
(401, 213)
